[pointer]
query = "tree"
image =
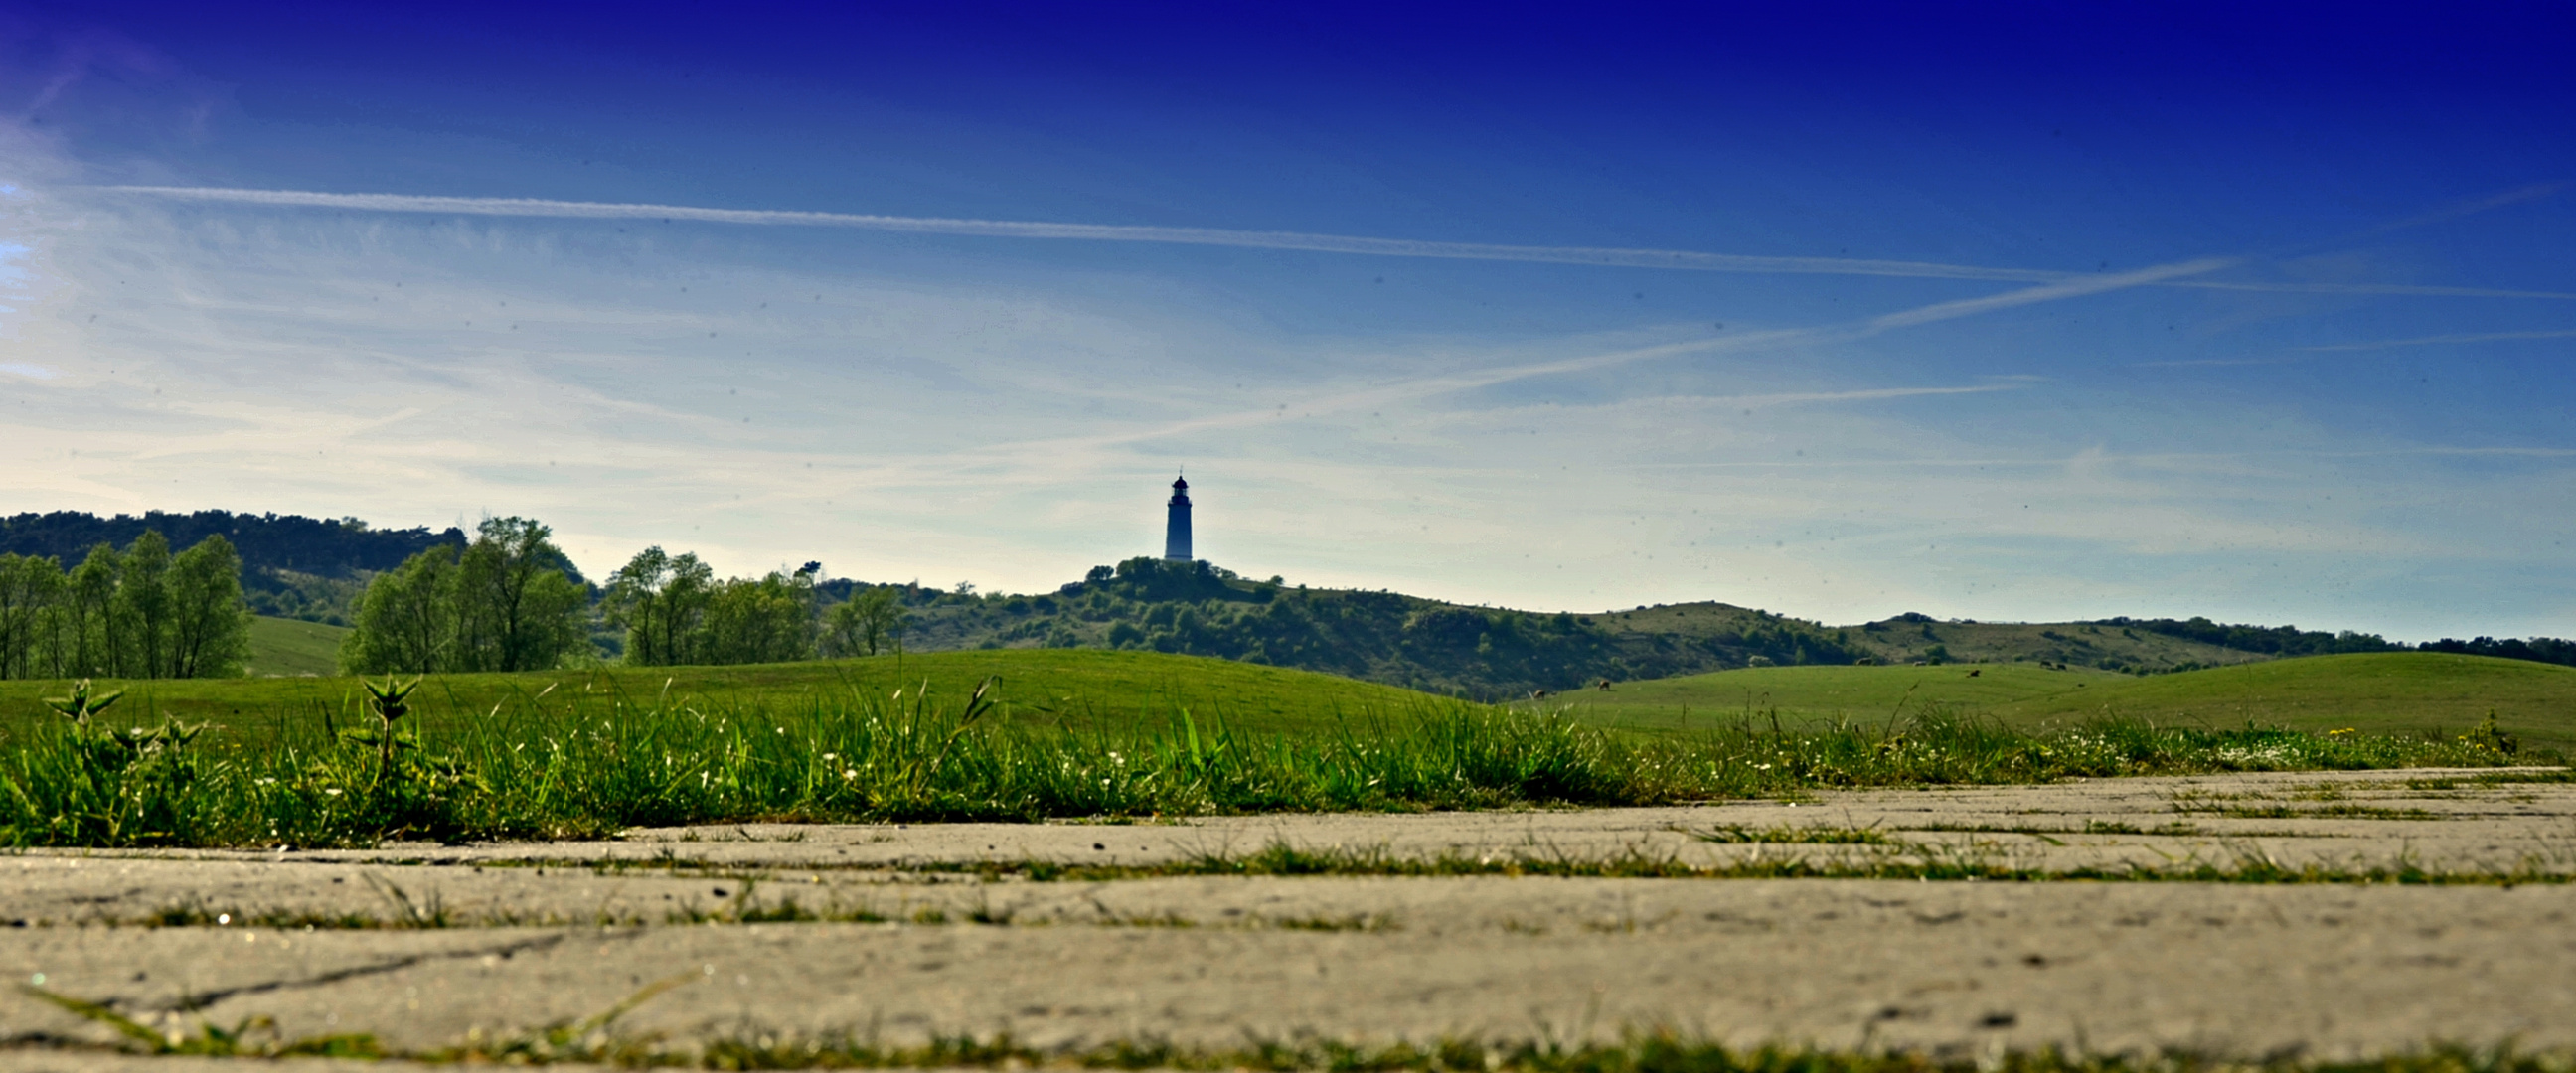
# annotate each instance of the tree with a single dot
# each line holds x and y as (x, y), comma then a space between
(141, 608)
(406, 619)
(767, 620)
(208, 632)
(30, 589)
(865, 622)
(662, 602)
(504, 604)
(516, 611)
(85, 629)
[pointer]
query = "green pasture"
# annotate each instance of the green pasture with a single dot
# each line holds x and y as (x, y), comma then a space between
(290, 647)
(2377, 693)
(1064, 733)
(1079, 688)
(1805, 696)
(2374, 693)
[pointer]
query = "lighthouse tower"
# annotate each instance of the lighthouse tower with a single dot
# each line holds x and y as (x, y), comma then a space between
(1176, 531)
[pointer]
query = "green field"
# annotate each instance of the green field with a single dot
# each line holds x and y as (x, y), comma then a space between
(1070, 686)
(2379, 693)
(288, 647)
(1087, 732)
(1804, 696)
(2376, 693)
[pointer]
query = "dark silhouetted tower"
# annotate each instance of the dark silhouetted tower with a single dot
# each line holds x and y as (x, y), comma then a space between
(1176, 531)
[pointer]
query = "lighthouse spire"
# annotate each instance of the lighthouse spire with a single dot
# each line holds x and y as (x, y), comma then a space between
(1176, 526)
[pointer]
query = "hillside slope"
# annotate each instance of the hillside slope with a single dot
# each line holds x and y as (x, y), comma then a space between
(1804, 696)
(1496, 653)
(1478, 652)
(289, 647)
(2381, 693)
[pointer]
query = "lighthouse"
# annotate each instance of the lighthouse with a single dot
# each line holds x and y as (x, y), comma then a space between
(1176, 530)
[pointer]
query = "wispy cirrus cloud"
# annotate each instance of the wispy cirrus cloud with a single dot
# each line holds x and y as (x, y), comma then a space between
(2439, 340)
(1413, 391)
(2473, 206)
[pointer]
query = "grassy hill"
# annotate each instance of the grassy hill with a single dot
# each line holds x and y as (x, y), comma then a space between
(1073, 688)
(2381, 693)
(2384, 693)
(1805, 696)
(1904, 640)
(1913, 638)
(288, 647)
(1498, 653)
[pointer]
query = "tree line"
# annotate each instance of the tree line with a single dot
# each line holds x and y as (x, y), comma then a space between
(509, 599)
(2269, 640)
(291, 566)
(675, 611)
(2537, 649)
(508, 602)
(138, 613)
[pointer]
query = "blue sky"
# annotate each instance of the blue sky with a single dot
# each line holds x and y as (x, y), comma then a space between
(1998, 311)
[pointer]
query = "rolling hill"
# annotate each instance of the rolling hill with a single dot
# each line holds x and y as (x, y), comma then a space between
(286, 647)
(2382, 693)
(1497, 653)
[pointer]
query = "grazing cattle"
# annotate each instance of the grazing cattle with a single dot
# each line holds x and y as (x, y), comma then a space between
(1974, 673)
(1605, 685)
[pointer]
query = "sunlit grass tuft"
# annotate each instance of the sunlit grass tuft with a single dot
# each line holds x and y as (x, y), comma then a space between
(587, 766)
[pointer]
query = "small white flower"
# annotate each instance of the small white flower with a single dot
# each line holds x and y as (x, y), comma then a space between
(831, 756)
(333, 791)
(849, 773)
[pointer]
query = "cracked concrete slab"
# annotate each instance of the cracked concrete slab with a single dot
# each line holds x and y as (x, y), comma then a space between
(541, 933)
(2345, 971)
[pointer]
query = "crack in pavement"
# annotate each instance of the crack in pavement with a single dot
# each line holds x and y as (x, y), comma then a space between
(193, 1002)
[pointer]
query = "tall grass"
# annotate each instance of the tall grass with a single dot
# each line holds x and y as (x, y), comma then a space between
(542, 766)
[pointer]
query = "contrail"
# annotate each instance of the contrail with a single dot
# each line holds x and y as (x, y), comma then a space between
(2416, 289)
(2064, 288)
(1448, 383)
(1607, 257)
(2433, 340)
(1185, 236)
